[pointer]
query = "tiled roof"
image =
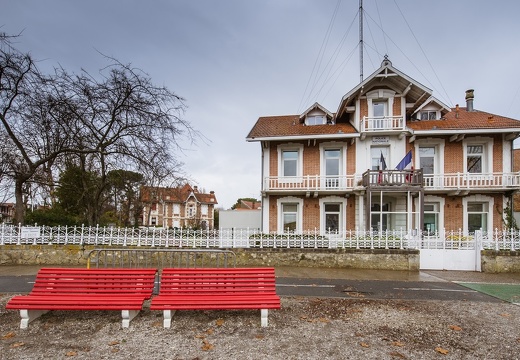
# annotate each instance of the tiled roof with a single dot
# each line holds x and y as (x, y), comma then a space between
(177, 195)
(289, 125)
(465, 120)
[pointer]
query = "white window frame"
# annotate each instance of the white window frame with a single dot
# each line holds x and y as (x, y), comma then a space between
(299, 162)
(204, 210)
(316, 120)
(430, 199)
(478, 199)
(342, 161)
(176, 209)
(439, 146)
(487, 154)
(191, 210)
(429, 114)
(386, 154)
(343, 212)
(299, 213)
(381, 95)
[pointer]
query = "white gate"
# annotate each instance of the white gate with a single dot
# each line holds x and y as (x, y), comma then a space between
(454, 252)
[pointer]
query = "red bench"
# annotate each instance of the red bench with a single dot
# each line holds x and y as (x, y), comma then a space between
(216, 289)
(86, 289)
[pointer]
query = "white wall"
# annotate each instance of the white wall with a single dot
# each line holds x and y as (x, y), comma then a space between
(240, 219)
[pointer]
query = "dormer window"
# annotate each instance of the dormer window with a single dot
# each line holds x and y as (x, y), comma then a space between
(316, 120)
(429, 115)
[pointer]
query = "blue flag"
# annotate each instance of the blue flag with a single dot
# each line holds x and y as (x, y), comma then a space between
(407, 160)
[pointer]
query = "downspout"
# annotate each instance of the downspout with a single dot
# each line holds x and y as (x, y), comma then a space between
(262, 187)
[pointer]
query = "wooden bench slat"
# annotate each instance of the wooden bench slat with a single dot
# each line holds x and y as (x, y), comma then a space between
(86, 289)
(216, 289)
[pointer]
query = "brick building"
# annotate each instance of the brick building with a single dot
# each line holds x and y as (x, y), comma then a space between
(178, 207)
(392, 157)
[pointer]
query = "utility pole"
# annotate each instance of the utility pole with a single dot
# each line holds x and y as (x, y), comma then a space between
(360, 41)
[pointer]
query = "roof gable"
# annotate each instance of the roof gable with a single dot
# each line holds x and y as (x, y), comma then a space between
(391, 78)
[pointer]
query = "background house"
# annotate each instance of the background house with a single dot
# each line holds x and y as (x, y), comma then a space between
(391, 157)
(178, 207)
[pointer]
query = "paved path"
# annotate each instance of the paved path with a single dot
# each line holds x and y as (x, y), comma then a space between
(350, 283)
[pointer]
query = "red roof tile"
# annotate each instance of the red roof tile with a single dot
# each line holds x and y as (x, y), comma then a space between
(178, 194)
(289, 125)
(465, 120)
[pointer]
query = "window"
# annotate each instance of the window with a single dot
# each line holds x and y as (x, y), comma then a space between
(332, 217)
(379, 108)
(153, 221)
(315, 120)
(289, 217)
(191, 210)
(431, 217)
(375, 155)
(428, 115)
(176, 209)
(204, 210)
(379, 216)
(477, 216)
(474, 159)
(289, 163)
(427, 163)
(332, 167)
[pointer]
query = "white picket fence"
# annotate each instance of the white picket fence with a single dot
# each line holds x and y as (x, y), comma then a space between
(253, 238)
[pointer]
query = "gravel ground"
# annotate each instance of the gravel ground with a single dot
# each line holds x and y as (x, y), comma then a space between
(304, 328)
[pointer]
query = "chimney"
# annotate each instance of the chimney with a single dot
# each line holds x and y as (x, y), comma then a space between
(469, 100)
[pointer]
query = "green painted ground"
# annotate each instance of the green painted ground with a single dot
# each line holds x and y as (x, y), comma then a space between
(507, 292)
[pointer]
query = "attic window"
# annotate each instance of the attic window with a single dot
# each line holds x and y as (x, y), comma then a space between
(315, 120)
(429, 115)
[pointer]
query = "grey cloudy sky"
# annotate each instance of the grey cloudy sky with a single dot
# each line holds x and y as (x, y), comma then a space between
(236, 60)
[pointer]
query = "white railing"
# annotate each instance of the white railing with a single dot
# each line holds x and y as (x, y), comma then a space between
(311, 182)
(253, 238)
(431, 182)
(467, 181)
(382, 123)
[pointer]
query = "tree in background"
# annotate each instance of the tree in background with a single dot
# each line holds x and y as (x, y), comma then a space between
(239, 202)
(124, 188)
(97, 124)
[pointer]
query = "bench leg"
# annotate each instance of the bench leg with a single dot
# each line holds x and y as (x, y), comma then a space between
(29, 315)
(167, 315)
(128, 315)
(263, 317)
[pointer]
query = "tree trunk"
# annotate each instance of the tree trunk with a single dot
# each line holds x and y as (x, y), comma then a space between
(19, 214)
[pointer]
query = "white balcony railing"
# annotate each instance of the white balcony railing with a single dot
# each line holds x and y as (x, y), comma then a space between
(438, 182)
(382, 123)
(466, 181)
(311, 183)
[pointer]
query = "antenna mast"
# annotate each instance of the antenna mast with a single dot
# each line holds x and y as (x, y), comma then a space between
(360, 41)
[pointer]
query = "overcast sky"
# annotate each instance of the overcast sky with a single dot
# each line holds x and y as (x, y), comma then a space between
(236, 60)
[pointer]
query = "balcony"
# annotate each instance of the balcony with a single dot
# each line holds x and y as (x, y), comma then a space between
(382, 124)
(462, 183)
(451, 184)
(304, 184)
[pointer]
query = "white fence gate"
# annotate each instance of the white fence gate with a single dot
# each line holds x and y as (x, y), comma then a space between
(452, 253)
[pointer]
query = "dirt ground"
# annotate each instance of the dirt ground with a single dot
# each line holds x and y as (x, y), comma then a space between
(304, 328)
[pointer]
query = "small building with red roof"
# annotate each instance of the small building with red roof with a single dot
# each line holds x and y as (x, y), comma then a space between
(178, 207)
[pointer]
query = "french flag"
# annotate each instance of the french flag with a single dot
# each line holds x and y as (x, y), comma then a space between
(406, 163)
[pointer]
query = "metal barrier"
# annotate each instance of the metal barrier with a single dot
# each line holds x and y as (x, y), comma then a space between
(161, 258)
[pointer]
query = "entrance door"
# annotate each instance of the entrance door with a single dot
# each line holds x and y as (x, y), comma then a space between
(379, 217)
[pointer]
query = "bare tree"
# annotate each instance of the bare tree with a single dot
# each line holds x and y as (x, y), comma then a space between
(119, 121)
(27, 113)
(127, 123)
